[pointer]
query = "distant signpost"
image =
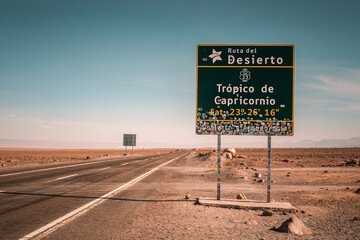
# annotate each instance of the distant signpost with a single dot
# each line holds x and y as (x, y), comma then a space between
(129, 140)
(245, 90)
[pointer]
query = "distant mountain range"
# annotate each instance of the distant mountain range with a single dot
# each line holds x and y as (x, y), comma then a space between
(339, 143)
(325, 143)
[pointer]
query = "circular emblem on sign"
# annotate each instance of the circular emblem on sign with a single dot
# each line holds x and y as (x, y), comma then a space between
(245, 75)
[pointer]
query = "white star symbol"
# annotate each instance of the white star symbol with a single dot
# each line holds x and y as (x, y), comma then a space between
(215, 55)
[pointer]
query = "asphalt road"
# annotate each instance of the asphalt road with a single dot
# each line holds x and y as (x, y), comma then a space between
(34, 196)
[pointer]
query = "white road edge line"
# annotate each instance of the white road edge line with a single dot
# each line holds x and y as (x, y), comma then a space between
(69, 176)
(46, 169)
(56, 224)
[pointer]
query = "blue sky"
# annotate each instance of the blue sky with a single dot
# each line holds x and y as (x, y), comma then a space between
(89, 71)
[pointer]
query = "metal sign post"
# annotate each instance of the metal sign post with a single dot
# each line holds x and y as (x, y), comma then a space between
(129, 140)
(269, 170)
(218, 164)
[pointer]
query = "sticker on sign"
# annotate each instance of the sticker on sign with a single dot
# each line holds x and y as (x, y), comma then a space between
(245, 90)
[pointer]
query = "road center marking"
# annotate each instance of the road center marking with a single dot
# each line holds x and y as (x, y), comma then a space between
(103, 168)
(69, 176)
(54, 225)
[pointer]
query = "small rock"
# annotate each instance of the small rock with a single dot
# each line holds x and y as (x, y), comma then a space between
(352, 162)
(325, 172)
(357, 191)
(285, 160)
(245, 178)
(261, 181)
(347, 188)
(242, 156)
(187, 196)
(241, 196)
(268, 213)
(272, 181)
(355, 219)
(302, 211)
(251, 222)
(288, 175)
(228, 155)
(295, 226)
(88, 157)
(258, 175)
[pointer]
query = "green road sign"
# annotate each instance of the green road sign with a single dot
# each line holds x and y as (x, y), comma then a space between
(245, 90)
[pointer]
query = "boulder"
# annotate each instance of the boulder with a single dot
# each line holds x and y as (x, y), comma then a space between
(295, 226)
(258, 175)
(232, 151)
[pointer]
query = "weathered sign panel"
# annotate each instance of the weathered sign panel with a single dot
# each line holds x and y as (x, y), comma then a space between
(245, 90)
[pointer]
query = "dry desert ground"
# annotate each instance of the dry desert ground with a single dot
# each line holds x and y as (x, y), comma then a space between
(321, 183)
